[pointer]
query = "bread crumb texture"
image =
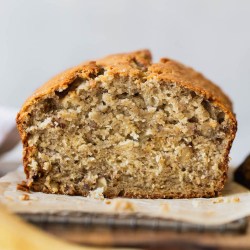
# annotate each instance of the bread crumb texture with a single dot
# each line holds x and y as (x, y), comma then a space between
(24, 197)
(123, 126)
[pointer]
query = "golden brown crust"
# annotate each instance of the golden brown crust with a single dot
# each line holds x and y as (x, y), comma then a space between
(132, 65)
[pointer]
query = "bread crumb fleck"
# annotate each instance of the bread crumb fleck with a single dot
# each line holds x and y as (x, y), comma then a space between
(219, 200)
(236, 199)
(45, 123)
(23, 186)
(227, 200)
(97, 194)
(151, 109)
(24, 197)
(134, 136)
(107, 202)
(165, 207)
(123, 206)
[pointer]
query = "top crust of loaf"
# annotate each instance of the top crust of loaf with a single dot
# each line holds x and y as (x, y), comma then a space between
(132, 64)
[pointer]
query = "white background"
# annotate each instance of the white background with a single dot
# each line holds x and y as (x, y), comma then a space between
(39, 38)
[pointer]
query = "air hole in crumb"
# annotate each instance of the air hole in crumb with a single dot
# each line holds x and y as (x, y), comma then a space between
(207, 106)
(123, 95)
(219, 140)
(49, 104)
(167, 113)
(193, 94)
(71, 87)
(221, 117)
(35, 177)
(225, 130)
(193, 119)
(129, 137)
(173, 122)
(63, 93)
(101, 71)
(137, 63)
(183, 169)
(161, 107)
(121, 193)
(93, 75)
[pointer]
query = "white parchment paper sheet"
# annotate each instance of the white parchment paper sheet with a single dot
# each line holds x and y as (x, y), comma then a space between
(233, 204)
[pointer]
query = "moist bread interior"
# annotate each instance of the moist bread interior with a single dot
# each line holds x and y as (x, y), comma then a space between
(130, 137)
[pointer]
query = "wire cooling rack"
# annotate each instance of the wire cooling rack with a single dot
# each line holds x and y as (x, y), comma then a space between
(115, 221)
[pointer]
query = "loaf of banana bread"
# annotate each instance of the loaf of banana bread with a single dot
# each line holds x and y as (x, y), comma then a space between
(128, 127)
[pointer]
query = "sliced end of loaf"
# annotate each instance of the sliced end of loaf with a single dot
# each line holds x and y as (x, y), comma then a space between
(130, 136)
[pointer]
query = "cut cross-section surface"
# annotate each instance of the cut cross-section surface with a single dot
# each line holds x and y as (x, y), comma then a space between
(128, 128)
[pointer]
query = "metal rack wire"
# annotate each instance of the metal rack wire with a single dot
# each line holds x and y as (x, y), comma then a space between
(118, 221)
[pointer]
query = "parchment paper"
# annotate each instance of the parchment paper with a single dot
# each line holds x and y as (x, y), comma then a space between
(233, 204)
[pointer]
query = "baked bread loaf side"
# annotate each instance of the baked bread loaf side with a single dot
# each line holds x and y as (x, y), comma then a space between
(125, 126)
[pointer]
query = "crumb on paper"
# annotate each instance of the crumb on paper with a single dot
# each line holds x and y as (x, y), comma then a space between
(107, 202)
(165, 207)
(195, 203)
(236, 199)
(24, 197)
(227, 200)
(97, 194)
(233, 199)
(121, 205)
(218, 200)
(23, 187)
